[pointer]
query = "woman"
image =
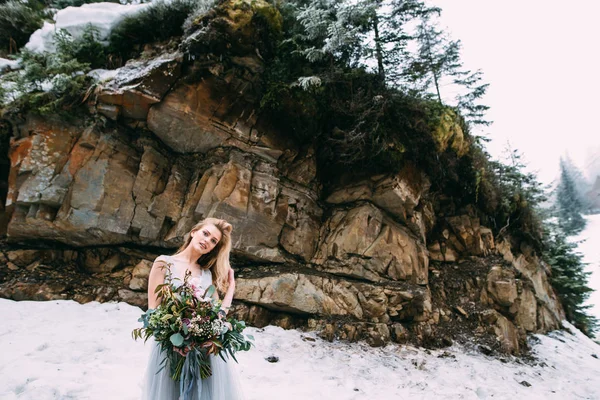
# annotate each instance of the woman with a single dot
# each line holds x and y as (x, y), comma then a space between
(205, 254)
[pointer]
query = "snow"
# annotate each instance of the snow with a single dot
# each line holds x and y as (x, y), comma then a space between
(103, 75)
(104, 16)
(64, 350)
(589, 246)
(42, 39)
(8, 64)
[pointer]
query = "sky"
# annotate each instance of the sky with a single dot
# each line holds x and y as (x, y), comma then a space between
(540, 60)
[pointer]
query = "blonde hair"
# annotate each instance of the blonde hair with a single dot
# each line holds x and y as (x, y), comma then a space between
(217, 260)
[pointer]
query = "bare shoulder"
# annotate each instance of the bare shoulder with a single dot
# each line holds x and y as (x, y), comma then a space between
(163, 258)
(161, 262)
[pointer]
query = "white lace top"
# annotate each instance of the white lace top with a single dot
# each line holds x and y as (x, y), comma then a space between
(178, 268)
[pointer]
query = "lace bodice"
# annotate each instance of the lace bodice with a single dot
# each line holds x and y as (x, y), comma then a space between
(178, 268)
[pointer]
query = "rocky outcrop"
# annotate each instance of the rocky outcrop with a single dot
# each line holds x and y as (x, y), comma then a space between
(362, 242)
(324, 295)
(137, 86)
(96, 187)
(173, 141)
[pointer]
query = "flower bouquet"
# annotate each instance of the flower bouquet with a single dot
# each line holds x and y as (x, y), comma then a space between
(188, 327)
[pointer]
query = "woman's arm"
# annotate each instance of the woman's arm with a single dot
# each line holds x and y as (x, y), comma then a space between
(157, 277)
(226, 304)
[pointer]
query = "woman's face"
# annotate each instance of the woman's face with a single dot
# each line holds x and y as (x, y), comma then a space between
(206, 238)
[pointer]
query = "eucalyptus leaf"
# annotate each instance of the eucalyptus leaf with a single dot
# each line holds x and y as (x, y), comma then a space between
(176, 339)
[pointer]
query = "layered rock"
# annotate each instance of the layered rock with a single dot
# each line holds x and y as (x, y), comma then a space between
(180, 141)
(137, 86)
(324, 295)
(96, 187)
(362, 242)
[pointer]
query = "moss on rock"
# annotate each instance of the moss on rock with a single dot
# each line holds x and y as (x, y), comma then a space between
(448, 133)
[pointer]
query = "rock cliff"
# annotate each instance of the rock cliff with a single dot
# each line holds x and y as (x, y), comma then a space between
(170, 140)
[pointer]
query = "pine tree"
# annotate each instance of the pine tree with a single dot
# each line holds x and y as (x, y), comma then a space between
(569, 279)
(391, 38)
(568, 204)
(468, 102)
(438, 57)
(364, 32)
(582, 186)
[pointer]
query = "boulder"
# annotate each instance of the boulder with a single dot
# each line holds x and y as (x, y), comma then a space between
(398, 194)
(527, 311)
(506, 333)
(139, 276)
(362, 242)
(501, 286)
(311, 294)
(134, 298)
(138, 85)
(24, 257)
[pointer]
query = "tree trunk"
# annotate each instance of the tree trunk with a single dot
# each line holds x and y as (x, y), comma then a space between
(378, 50)
(437, 87)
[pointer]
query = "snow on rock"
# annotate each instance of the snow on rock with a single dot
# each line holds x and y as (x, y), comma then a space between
(8, 64)
(64, 350)
(42, 39)
(104, 16)
(102, 75)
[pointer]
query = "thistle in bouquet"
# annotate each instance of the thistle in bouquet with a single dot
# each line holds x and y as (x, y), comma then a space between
(188, 326)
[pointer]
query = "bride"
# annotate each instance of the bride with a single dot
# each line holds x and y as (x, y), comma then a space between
(205, 254)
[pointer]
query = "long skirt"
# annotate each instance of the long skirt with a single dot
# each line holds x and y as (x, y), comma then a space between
(223, 384)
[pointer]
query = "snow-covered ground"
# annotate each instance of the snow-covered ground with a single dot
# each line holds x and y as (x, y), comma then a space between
(64, 350)
(589, 246)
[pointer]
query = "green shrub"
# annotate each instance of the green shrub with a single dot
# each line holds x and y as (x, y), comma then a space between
(48, 83)
(18, 20)
(86, 49)
(161, 20)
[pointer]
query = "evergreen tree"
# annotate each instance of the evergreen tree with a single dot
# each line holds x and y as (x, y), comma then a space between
(569, 279)
(364, 32)
(582, 186)
(468, 102)
(568, 204)
(437, 57)
(388, 26)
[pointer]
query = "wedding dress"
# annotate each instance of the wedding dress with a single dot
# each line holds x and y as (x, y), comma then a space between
(223, 384)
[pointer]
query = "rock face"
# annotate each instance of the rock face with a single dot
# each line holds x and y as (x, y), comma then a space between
(368, 260)
(362, 242)
(96, 188)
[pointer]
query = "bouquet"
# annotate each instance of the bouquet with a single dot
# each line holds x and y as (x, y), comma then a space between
(188, 328)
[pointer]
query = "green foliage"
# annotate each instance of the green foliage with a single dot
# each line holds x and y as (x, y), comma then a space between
(18, 20)
(509, 197)
(159, 21)
(2, 94)
(437, 56)
(48, 83)
(86, 49)
(569, 279)
(468, 102)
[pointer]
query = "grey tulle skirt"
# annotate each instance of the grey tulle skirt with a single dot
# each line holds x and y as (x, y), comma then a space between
(223, 384)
